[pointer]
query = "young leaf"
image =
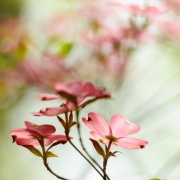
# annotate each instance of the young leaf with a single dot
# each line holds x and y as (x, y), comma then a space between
(50, 154)
(155, 179)
(34, 150)
(56, 143)
(112, 153)
(70, 119)
(73, 123)
(65, 49)
(98, 148)
(62, 122)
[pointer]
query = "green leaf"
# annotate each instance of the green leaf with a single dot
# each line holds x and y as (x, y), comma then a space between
(65, 49)
(73, 123)
(33, 150)
(62, 122)
(50, 154)
(56, 143)
(70, 119)
(112, 153)
(155, 179)
(98, 148)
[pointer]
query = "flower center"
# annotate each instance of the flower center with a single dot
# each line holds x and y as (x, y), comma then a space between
(35, 126)
(112, 138)
(101, 140)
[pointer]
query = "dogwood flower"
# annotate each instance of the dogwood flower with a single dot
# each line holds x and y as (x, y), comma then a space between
(115, 132)
(75, 93)
(80, 90)
(33, 133)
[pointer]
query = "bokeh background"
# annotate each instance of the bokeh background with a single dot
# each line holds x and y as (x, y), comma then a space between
(131, 48)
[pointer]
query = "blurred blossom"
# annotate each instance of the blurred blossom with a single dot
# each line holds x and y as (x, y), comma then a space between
(14, 42)
(173, 4)
(57, 26)
(53, 69)
(111, 38)
(171, 29)
(98, 41)
(170, 25)
(147, 11)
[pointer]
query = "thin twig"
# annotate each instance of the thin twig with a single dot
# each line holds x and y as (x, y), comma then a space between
(46, 163)
(106, 159)
(82, 144)
(69, 140)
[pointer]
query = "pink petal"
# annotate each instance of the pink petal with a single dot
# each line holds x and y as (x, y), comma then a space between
(71, 88)
(97, 123)
(133, 8)
(48, 142)
(94, 91)
(131, 143)
(99, 138)
(81, 90)
(57, 137)
(121, 127)
(51, 111)
(44, 129)
(26, 141)
(24, 133)
(46, 97)
(54, 137)
(71, 106)
(97, 92)
(24, 136)
(37, 114)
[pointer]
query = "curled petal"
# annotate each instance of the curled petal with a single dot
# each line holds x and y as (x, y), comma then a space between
(54, 137)
(35, 133)
(46, 97)
(27, 141)
(95, 91)
(58, 137)
(131, 143)
(22, 132)
(51, 111)
(71, 88)
(37, 114)
(121, 127)
(71, 106)
(81, 90)
(44, 129)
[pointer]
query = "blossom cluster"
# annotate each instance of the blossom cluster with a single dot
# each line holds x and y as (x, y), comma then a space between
(77, 95)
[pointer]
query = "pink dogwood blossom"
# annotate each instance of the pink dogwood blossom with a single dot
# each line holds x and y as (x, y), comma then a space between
(80, 89)
(33, 132)
(136, 9)
(117, 130)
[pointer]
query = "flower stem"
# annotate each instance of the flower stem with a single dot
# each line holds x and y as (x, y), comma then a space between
(82, 144)
(69, 140)
(46, 163)
(83, 155)
(106, 159)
